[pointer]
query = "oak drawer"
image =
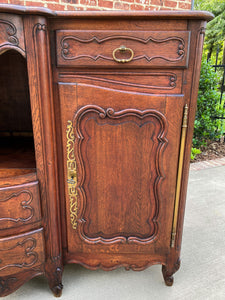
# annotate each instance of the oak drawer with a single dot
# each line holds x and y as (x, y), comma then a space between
(122, 49)
(21, 252)
(19, 205)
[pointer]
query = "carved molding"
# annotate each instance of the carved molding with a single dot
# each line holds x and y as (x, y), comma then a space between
(54, 271)
(49, 181)
(11, 32)
(67, 54)
(110, 114)
(202, 30)
(171, 77)
(9, 284)
(40, 27)
(30, 256)
(5, 284)
(100, 263)
(24, 205)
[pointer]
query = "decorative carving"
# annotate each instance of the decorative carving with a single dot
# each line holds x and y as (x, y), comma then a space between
(5, 284)
(54, 274)
(71, 174)
(41, 26)
(24, 204)
(170, 79)
(202, 30)
(29, 245)
(57, 288)
(173, 79)
(11, 32)
(9, 284)
(98, 263)
(139, 118)
(67, 54)
(49, 177)
(168, 274)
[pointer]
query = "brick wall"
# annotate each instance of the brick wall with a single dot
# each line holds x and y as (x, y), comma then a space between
(106, 4)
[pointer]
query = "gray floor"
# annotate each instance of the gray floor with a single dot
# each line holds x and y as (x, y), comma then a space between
(202, 272)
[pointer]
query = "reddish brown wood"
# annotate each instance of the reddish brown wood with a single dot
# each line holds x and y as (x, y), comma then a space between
(12, 34)
(9, 177)
(125, 138)
(22, 252)
(19, 205)
(95, 48)
(12, 282)
(37, 43)
(179, 15)
(17, 152)
(163, 82)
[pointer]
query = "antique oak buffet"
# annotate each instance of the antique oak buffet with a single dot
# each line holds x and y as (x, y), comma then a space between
(96, 121)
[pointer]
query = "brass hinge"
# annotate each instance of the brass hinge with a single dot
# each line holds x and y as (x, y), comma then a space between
(179, 176)
(71, 174)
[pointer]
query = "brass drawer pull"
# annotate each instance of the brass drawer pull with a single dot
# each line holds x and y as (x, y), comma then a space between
(123, 49)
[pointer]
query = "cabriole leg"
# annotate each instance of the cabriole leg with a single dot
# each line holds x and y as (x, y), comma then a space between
(168, 272)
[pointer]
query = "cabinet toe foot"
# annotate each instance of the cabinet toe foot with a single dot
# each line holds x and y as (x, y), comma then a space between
(55, 280)
(167, 277)
(168, 272)
(57, 290)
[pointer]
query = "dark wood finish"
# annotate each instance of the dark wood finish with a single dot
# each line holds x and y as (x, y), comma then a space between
(178, 15)
(90, 147)
(17, 152)
(12, 33)
(15, 114)
(147, 82)
(23, 252)
(95, 48)
(19, 205)
(37, 43)
(16, 176)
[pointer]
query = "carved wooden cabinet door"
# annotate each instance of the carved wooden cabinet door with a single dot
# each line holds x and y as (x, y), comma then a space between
(120, 151)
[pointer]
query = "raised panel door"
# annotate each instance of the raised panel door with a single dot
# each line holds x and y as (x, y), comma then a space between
(120, 156)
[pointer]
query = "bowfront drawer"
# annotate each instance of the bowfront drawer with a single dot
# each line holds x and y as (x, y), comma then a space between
(21, 252)
(122, 49)
(19, 205)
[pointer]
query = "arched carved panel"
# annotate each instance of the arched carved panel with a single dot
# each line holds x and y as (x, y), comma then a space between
(11, 34)
(108, 147)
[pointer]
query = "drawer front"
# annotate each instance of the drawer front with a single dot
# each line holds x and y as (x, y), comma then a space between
(161, 82)
(19, 205)
(122, 49)
(21, 252)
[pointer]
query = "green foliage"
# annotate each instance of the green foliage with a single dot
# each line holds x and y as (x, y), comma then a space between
(206, 126)
(208, 107)
(215, 30)
(194, 152)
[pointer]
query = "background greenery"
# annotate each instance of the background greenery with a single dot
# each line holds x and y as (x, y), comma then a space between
(207, 127)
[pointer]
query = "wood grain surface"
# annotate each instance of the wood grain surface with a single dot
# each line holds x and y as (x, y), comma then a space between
(89, 145)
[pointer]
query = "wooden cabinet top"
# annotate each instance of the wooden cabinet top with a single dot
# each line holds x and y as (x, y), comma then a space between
(179, 15)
